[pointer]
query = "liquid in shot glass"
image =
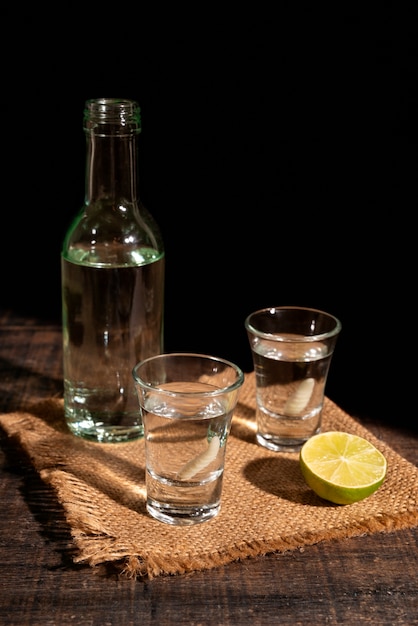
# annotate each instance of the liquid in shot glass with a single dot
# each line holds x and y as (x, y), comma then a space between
(186, 402)
(292, 348)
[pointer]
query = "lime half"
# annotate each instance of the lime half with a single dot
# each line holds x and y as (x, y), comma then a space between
(341, 467)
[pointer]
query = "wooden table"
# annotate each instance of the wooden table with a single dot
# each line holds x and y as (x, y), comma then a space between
(365, 580)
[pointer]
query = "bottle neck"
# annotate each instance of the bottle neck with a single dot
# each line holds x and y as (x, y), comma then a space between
(112, 127)
(111, 168)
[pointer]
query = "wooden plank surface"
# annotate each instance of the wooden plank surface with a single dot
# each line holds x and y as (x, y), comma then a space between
(365, 580)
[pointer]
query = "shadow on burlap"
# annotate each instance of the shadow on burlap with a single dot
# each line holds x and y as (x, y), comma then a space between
(266, 505)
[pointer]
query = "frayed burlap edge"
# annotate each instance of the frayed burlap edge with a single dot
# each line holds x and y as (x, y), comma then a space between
(266, 506)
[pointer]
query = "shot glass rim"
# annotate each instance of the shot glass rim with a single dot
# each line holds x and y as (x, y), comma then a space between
(297, 338)
(202, 394)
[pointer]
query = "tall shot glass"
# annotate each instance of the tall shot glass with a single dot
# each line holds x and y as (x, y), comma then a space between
(292, 349)
(186, 401)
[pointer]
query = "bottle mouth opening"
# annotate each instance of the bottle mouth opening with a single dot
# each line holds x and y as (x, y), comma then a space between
(105, 111)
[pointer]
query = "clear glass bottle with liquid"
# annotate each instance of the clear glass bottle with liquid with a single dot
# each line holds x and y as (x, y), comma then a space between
(112, 274)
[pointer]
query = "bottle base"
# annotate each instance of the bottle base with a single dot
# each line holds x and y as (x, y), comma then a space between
(106, 434)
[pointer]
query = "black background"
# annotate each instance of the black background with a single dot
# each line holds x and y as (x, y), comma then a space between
(278, 156)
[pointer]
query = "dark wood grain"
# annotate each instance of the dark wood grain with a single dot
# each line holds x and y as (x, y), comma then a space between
(365, 580)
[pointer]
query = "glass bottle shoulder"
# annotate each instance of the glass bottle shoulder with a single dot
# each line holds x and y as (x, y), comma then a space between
(113, 234)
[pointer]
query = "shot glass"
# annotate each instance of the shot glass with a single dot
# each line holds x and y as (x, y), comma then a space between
(186, 402)
(291, 349)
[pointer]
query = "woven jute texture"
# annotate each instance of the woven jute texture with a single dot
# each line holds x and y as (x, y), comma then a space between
(266, 505)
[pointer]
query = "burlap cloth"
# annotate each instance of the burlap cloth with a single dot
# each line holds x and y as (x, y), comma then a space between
(266, 505)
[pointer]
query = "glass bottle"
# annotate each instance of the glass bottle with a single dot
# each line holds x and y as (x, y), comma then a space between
(112, 274)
